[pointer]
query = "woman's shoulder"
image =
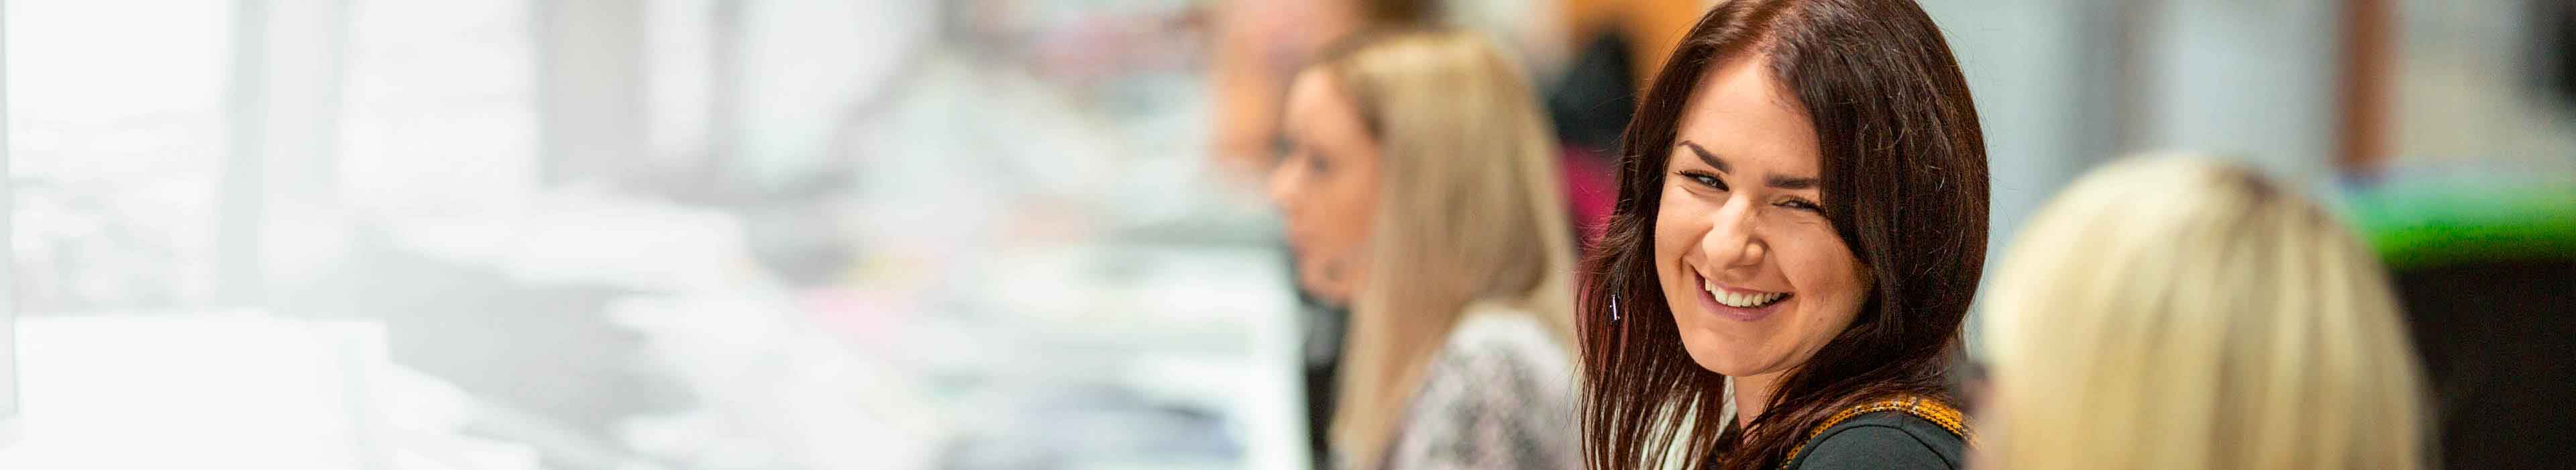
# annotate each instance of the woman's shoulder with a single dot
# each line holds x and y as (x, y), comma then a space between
(1499, 394)
(1893, 438)
(1494, 351)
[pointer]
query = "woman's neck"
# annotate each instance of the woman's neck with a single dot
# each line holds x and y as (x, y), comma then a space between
(1752, 394)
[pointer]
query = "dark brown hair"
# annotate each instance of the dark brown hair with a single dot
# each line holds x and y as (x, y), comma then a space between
(1904, 178)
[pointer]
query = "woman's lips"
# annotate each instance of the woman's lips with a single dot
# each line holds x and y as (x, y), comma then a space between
(1708, 302)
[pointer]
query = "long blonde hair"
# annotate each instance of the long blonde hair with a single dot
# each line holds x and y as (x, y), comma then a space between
(1470, 212)
(2176, 313)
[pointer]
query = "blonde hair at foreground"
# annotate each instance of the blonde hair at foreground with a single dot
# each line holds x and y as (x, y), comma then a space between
(1469, 212)
(2175, 313)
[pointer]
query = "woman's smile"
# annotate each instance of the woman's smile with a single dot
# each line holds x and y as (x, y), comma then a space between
(1739, 304)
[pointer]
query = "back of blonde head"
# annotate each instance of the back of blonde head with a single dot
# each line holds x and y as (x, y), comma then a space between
(1470, 211)
(2175, 313)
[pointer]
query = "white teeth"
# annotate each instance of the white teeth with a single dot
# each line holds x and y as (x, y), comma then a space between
(1733, 299)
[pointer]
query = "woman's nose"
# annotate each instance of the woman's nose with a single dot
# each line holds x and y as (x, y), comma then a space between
(1283, 186)
(1731, 241)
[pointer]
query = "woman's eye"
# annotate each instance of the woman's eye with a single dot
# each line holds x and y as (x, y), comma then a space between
(1705, 179)
(1282, 150)
(1802, 205)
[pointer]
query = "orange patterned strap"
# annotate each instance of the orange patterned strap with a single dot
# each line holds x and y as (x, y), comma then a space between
(1921, 407)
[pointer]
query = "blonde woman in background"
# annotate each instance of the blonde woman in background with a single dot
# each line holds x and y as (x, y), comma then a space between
(1419, 186)
(2175, 313)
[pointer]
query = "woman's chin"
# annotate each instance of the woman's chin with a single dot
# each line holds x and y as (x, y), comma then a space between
(1718, 358)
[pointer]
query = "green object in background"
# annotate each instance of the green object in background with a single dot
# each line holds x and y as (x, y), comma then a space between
(2414, 224)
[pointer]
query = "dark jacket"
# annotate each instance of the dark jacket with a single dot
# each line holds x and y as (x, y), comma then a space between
(1883, 440)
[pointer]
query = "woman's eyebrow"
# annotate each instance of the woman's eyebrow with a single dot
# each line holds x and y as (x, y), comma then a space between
(1790, 182)
(1776, 181)
(1708, 158)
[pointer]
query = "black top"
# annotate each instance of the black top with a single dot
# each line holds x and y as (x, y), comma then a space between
(2494, 337)
(1883, 440)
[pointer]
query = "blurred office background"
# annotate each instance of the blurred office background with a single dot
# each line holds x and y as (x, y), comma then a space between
(793, 234)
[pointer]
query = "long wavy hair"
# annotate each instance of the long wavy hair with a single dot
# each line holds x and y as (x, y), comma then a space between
(1902, 153)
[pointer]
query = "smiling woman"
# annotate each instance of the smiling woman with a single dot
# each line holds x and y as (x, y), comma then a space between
(1802, 214)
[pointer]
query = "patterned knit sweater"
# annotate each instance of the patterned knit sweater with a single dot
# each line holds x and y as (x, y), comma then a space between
(1498, 395)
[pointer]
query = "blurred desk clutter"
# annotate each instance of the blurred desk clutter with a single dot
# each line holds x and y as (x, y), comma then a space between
(639, 235)
(534, 338)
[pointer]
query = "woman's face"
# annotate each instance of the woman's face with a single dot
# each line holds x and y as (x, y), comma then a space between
(1326, 186)
(1757, 278)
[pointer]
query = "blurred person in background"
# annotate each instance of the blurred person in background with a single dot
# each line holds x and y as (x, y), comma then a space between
(1801, 218)
(1610, 49)
(1419, 187)
(1259, 46)
(1581, 52)
(2178, 313)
